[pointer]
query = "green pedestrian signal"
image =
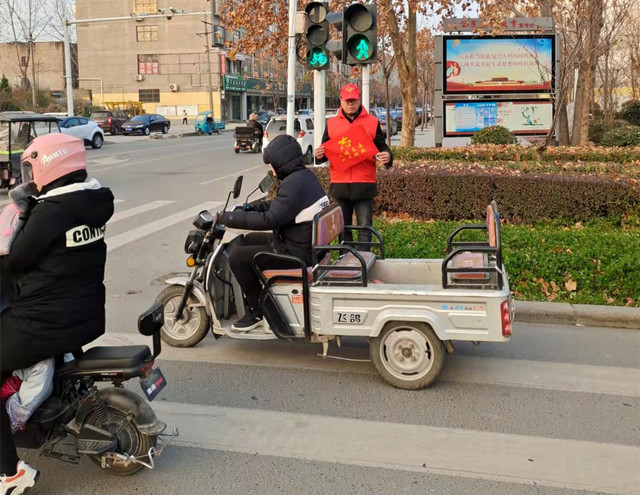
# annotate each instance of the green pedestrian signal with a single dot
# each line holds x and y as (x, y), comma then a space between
(360, 34)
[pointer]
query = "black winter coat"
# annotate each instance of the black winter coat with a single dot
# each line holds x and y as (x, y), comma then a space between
(57, 263)
(299, 197)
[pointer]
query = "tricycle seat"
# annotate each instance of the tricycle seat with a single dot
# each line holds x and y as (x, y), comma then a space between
(474, 264)
(352, 266)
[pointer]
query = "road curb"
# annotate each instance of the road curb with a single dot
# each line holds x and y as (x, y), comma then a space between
(578, 314)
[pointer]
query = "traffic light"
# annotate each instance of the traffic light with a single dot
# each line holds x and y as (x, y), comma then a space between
(360, 34)
(317, 35)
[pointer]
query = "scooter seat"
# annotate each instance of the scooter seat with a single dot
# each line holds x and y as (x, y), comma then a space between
(117, 357)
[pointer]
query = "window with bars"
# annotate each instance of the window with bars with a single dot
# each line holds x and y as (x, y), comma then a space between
(147, 33)
(148, 64)
(148, 6)
(149, 95)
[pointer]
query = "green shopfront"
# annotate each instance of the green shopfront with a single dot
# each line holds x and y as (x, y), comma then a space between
(235, 98)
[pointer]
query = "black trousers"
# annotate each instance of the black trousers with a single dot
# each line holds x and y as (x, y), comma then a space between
(363, 209)
(16, 352)
(240, 263)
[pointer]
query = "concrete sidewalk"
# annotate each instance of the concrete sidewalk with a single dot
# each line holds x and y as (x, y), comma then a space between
(578, 314)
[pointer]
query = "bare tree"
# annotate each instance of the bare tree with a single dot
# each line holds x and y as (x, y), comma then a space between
(426, 69)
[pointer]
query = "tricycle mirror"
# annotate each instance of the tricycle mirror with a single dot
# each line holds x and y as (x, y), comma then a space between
(266, 183)
(203, 221)
(237, 187)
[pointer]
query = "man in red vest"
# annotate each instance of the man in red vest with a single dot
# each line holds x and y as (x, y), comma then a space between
(354, 187)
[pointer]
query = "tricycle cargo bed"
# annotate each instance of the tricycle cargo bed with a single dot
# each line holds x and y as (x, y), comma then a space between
(409, 290)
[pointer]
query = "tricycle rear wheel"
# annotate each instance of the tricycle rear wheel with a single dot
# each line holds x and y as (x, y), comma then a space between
(408, 354)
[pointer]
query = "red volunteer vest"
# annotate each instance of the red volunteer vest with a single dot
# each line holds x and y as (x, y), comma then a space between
(364, 171)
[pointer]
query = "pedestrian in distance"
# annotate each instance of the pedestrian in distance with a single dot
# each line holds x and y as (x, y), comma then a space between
(354, 187)
(184, 118)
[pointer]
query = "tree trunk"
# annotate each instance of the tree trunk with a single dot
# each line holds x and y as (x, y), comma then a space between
(424, 107)
(405, 49)
(563, 125)
(587, 67)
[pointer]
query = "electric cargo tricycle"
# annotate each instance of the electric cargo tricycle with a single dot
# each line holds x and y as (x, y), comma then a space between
(410, 310)
(17, 130)
(205, 124)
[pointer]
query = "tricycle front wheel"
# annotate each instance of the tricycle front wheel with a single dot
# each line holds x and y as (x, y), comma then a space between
(408, 354)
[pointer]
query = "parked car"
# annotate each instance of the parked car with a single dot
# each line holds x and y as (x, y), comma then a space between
(397, 115)
(109, 120)
(265, 117)
(383, 123)
(84, 129)
(303, 129)
(146, 124)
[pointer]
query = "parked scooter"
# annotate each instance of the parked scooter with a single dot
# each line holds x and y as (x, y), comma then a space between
(114, 427)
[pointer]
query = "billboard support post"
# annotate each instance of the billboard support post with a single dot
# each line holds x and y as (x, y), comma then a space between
(438, 120)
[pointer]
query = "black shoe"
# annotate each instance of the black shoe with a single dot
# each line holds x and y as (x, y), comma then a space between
(248, 322)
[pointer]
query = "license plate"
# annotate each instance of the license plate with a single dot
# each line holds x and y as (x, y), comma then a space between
(127, 128)
(153, 384)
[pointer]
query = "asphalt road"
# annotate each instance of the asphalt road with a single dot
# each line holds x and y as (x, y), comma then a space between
(554, 411)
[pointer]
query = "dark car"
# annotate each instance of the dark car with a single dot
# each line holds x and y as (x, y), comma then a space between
(397, 114)
(146, 124)
(108, 120)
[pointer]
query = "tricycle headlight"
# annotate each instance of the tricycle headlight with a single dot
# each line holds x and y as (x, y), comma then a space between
(193, 242)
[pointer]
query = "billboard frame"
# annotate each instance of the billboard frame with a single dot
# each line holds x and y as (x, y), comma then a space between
(551, 37)
(494, 100)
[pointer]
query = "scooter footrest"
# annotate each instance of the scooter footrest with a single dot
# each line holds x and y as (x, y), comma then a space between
(94, 441)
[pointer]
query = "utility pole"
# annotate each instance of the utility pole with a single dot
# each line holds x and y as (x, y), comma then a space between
(291, 69)
(208, 47)
(32, 56)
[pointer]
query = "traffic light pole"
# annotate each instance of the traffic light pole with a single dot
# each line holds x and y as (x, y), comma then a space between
(366, 84)
(291, 79)
(319, 89)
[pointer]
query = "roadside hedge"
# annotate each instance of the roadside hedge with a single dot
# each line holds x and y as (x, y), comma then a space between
(442, 191)
(592, 262)
(489, 152)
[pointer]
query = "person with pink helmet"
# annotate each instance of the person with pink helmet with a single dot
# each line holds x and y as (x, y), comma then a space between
(56, 264)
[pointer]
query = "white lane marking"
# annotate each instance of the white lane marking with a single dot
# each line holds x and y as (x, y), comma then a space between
(455, 452)
(235, 174)
(125, 238)
(121, 215)
(155, 159)
(116, 201)
(147, 147)
(105, 160)
(545, 375)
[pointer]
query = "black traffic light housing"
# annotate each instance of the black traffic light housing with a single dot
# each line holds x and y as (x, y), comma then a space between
(360, 34)
(317, 35)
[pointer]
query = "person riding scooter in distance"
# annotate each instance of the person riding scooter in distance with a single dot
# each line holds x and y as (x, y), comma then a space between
(290, 215)
(57, 265)
(253, 122)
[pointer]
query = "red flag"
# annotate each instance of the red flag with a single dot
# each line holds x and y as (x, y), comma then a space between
(351, 147)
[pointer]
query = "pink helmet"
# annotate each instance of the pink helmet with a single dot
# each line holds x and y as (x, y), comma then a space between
(52, 156)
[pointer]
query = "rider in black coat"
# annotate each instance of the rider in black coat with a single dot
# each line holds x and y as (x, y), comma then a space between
(56, 264)
(290, 215)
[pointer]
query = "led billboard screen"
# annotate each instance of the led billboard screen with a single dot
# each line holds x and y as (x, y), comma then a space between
(500, 64)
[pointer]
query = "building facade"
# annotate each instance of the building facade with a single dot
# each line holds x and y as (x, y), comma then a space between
(162, 62)
(15, 61)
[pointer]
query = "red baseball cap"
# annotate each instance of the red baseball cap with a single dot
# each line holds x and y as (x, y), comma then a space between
(350, 92)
